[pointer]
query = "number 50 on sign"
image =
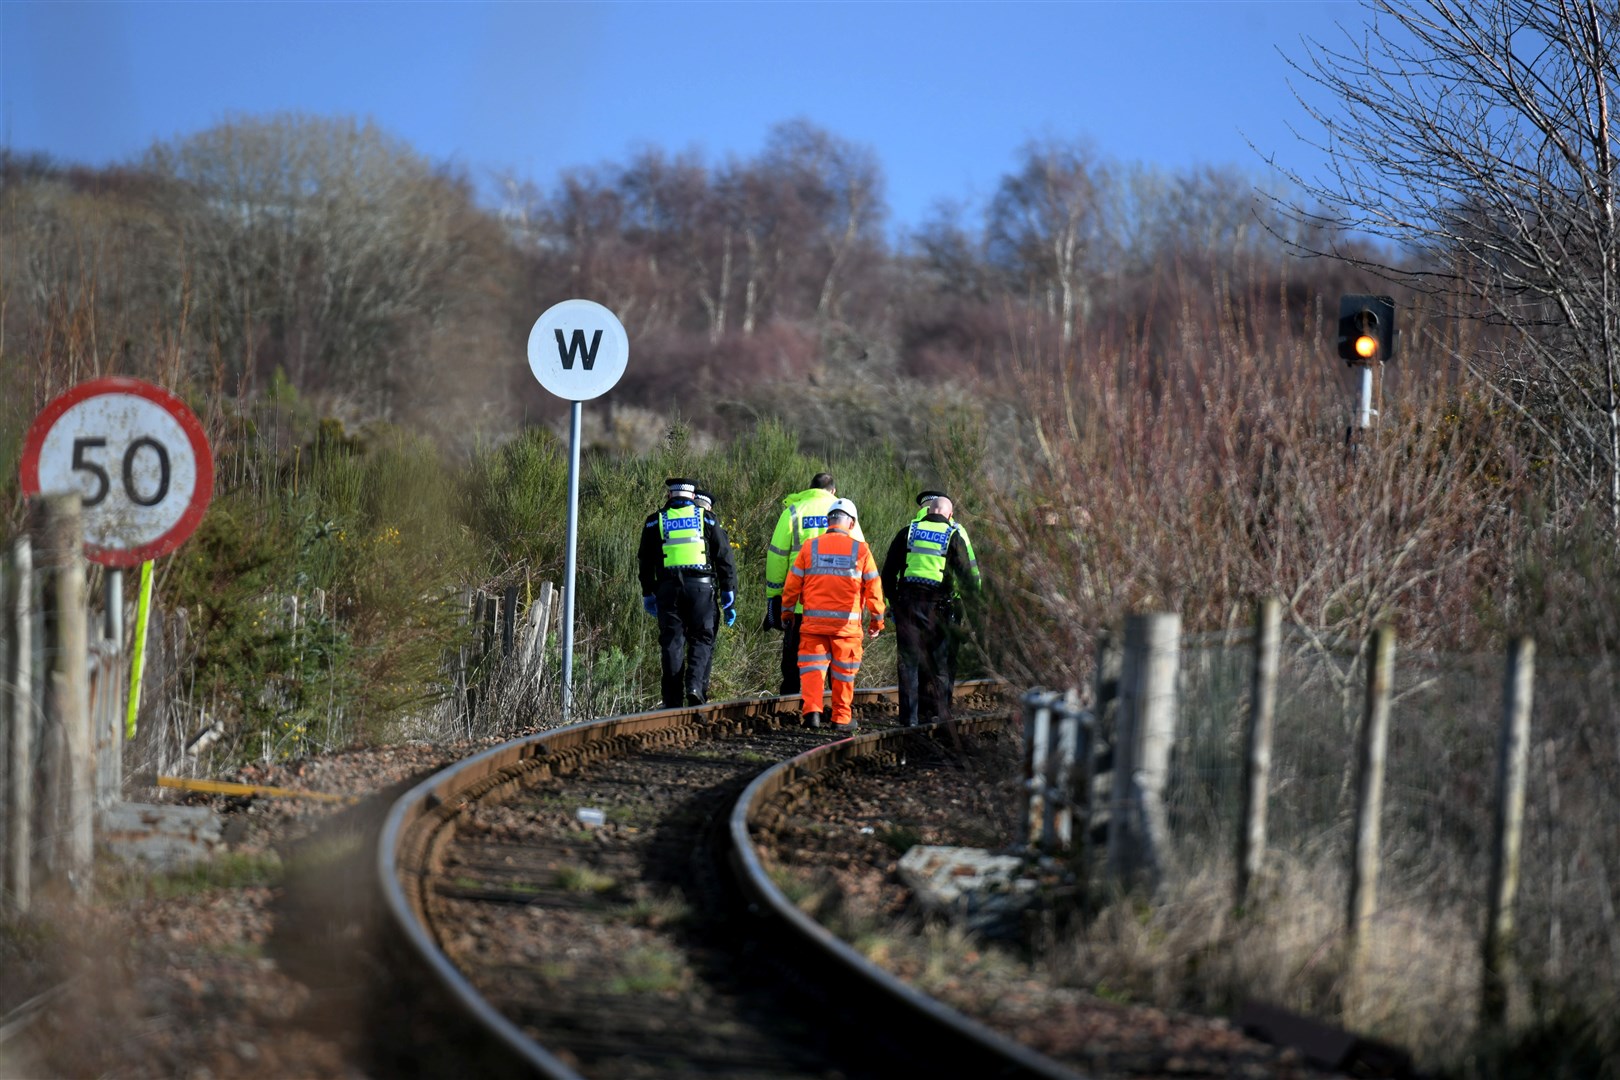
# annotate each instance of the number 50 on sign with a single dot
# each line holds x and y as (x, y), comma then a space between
(137, 456)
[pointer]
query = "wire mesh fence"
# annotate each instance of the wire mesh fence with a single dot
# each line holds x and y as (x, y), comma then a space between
(1439, 806)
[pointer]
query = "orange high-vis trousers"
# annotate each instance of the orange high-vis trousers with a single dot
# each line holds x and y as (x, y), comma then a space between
(823, 656)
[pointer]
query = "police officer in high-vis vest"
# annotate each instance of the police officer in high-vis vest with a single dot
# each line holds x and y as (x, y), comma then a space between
(688, 580)
(727, 616)
(925, 503)
(928, 563)
(804, 515)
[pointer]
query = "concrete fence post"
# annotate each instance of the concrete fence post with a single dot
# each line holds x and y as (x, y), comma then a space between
(1512, 769)
(1251, 838)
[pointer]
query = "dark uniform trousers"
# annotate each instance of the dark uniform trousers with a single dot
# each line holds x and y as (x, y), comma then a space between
(687, 617)
(923, 639)
(790, 658)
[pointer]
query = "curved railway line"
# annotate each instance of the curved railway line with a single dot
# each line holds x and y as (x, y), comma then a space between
(591, 902)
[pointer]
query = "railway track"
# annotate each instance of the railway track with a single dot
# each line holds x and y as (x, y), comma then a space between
(589, 902)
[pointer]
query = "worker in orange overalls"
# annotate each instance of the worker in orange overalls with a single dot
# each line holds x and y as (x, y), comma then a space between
(836, 580)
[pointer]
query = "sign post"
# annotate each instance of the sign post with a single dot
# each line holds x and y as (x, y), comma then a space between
(578, 350)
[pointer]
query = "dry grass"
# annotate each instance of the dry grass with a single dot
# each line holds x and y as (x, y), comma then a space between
(1193, 951)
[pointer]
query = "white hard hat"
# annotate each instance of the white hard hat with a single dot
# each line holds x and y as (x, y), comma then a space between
(843, 506)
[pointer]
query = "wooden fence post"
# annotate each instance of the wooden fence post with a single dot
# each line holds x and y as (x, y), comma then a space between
(1512, 767)
(539, 623)
(1122, 764)
(1066, 717)
(68, 835)
(1138, 840)
(19, 664)
(108, 688)
(1251, 838)
(1156, 734)
(1037, 748)
(489, 615)
(1369, 798)
(508, 620)
(472, 603)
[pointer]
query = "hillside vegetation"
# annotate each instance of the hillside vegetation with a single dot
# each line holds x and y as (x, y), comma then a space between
(1126, 379)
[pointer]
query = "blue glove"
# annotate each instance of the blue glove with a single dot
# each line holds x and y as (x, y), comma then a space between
(651, 604)
(727, 599)
(731, 616)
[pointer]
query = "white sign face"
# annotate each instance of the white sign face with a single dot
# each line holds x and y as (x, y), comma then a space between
(578, 350)
(137, 457)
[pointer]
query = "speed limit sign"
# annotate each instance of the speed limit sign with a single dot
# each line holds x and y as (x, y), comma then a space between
(136, 454)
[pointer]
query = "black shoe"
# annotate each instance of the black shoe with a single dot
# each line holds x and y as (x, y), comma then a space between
(812, 719)
(693, 700)
(847, 729)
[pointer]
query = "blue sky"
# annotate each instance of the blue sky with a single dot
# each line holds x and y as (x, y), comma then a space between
(945, 93)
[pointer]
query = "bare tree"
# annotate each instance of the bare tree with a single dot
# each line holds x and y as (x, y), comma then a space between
(758, 207)
(1044, 222)
(321, 245)
(840, 184)
(675, 218)
(1480, 137)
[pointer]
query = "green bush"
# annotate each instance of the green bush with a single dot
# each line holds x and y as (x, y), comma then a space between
(393, 533)
(364, 536)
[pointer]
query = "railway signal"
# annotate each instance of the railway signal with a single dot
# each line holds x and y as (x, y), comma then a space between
(1366, 329)
(1366, 341)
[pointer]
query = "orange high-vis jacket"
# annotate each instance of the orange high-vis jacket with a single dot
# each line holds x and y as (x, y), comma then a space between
(836, 579)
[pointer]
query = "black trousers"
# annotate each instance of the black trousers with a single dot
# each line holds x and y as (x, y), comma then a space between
(922, 630)
(790, 659)
(687, 618)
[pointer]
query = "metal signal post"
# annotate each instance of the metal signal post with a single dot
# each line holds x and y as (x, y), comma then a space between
(577, 350)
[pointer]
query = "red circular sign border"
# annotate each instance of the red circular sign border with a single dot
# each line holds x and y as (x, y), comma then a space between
(201, 495)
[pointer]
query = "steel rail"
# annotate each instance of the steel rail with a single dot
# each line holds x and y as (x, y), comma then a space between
(424, 817)
(977, 1049)
(423, 820)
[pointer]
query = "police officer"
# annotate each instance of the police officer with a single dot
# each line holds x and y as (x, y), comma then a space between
(686, 570)
(925, 501)
(928, 562)
(727, 616)
(804, 515)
